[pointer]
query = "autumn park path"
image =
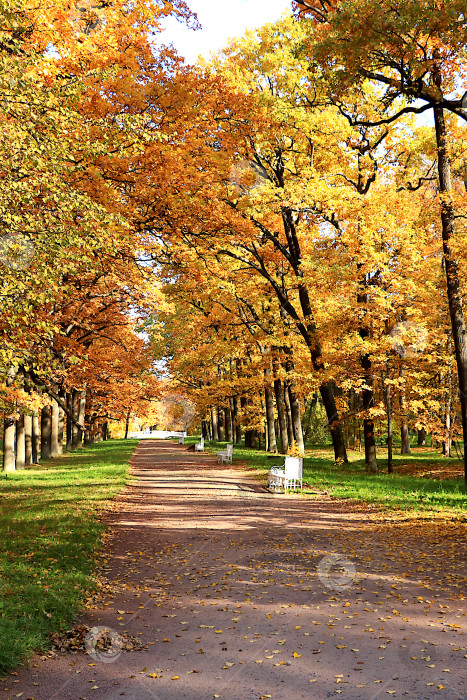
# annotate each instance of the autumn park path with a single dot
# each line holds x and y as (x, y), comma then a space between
(234, 594)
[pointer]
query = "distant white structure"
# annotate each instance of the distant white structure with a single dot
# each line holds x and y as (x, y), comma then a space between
(157, 434)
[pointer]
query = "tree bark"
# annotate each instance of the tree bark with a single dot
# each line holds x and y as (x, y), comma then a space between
(454, 292)
(271, 433)
(61, 424)
(221, 424)
(54, 446)
(390, 436)
(215, 434)
(20, 443)
(228, 424)
(405, 435)
(36, 443)
(75, 404)
(127, 425)
(28, 459)
(81, 413)
(288, 411)
(69, 422)
(421, 440)
(46, 432)
(9, 430)
(281, 415)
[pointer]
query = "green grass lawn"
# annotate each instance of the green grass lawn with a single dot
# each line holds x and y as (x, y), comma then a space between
(423, 481)
(50, 537)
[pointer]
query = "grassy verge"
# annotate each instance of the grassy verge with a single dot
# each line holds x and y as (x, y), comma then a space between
(50, 535)
(422, 482)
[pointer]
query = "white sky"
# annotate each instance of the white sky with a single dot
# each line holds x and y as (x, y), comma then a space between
(221, 20)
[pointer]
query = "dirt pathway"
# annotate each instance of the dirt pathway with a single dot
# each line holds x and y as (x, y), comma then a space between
(239, 594)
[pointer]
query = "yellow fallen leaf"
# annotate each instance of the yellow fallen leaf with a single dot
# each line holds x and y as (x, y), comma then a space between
(296, 656)
(175, 678)
(154, 675)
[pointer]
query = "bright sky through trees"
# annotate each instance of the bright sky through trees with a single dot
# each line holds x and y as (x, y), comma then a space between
(220, 21)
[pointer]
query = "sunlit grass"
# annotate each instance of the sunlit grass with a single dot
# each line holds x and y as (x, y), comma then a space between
(50, 534)
(418, 483)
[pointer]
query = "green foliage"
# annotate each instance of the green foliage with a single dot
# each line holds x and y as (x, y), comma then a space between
(51, 535)
(314, 423)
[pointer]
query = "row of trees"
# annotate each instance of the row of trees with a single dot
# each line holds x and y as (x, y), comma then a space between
(312, 243)
(75, 88)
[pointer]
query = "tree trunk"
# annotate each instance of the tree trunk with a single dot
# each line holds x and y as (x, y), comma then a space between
(61, 424)
(75, 433)
(20, 443)
(127, 425)
(421, 440)
(271, 433)
(288, 411)
(28, 459)
(454, 292)
(81, 413)
(390, 437)
(9, 430)
(69, 422)
(215, 434)
(46, 432)
(281, 415)
(228, 424)
(405, 435)
(296, 418)
(105, 430)
(55, 450)
(221, 424)
(36, 444)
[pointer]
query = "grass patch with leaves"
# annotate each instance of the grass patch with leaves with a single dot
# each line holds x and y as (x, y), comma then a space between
(51, 534)
(418, 483)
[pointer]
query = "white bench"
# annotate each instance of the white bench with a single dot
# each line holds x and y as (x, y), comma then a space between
(181, 440)
(199, 446)
(288, 476)
(226, 455)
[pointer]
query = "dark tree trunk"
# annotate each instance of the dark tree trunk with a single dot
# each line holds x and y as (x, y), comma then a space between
(20, 443)
(9, 430)
(36, 444)
(28, 459)
(281, 415)
(454, 292)
(421, 441)
(54, 446)
(221, 424)
(271, 433)
(76, 395)
(69, 422)
(46, 432)
(390, 436)
(288, 411)
(228, 424)
(61, 423)
(405, 435)
(127, 425)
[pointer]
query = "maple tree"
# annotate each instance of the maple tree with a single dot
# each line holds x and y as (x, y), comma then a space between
(413, 52)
